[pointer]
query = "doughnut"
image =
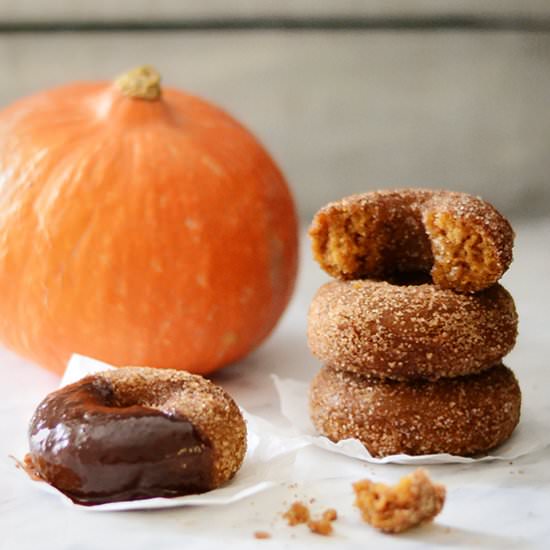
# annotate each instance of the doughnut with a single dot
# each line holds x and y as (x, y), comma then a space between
(463, 416)
(404, 331)
(461, 240)
(135, 433)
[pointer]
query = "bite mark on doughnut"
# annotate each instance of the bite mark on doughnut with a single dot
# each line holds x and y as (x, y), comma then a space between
(463, 256)
(350, 244)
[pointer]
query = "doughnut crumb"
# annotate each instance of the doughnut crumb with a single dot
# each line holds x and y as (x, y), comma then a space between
(330, 514)
(27, 465)
(413, 501)
(323, 525)
(320, 526)
(297, 513)
(262, 535)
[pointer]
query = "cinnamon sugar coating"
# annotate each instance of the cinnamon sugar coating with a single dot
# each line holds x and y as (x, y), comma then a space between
(208, 407)
(461, 240)
(465, 416)
(410, 331)
(413, 501)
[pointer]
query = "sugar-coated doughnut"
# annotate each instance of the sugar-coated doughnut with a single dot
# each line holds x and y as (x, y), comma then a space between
(463, 241)
(404, 331)
(134, 433)
(464, 416)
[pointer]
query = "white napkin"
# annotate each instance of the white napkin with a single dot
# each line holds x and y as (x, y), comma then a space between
(530, 435)
(279, 454)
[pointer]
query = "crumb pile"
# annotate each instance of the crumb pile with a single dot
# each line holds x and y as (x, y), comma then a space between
(299, 513)
(413, 330)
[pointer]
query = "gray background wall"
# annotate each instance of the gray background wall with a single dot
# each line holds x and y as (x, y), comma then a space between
(347, 95)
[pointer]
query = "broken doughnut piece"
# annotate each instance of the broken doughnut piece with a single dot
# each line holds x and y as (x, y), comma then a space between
(413, 501)
(297, 513)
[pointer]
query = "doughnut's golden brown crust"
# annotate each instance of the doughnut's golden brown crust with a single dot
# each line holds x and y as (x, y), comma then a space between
(207, 406)
(410, 331)
(464, 416)
(460, 239)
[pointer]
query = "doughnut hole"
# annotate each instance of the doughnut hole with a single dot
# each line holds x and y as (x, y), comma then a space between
(371, 241)
(464, 259)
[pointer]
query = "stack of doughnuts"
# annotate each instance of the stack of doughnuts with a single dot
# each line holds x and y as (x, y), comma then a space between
(413, 329)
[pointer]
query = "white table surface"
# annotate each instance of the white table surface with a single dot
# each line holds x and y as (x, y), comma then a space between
(489, 505)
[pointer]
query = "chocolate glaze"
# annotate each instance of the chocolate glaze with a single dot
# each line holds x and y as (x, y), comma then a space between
(95, 449)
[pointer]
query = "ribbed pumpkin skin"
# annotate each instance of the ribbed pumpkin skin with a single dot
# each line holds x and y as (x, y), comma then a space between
(138, 232)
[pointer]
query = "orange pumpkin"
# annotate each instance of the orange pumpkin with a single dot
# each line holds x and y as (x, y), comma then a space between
(138, 226)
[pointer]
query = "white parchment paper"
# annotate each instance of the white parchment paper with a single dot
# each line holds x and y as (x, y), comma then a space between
(269, 459)
(278, 453)
(531, 435)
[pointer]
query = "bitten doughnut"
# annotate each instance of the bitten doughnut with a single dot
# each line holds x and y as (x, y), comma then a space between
(135, 433)
(410, 330)
(461, 240)
(464, 416)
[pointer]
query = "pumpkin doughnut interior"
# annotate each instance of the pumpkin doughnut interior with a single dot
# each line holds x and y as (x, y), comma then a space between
(461, 254)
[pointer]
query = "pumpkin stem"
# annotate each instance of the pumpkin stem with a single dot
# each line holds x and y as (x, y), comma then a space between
(140, 83)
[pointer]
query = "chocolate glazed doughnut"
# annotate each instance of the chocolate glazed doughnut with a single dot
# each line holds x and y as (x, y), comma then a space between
(463, 416)
(135, 433)
(461, 240)
(410, 330)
